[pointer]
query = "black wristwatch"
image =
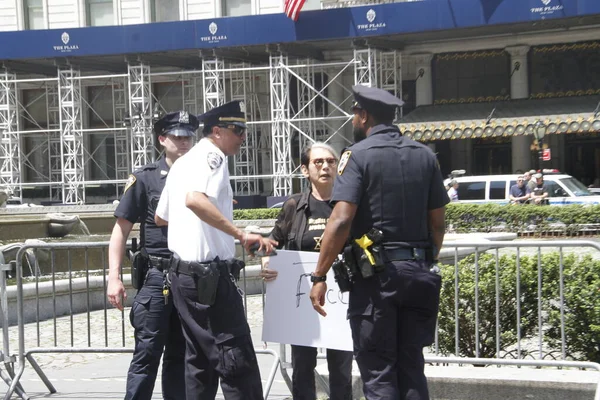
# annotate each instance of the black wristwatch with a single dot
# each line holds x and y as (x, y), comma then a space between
(314, 278)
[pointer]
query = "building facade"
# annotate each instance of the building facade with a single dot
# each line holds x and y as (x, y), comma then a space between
(82, 80)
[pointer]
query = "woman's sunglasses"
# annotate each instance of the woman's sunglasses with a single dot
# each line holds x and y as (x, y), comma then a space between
(320, 161)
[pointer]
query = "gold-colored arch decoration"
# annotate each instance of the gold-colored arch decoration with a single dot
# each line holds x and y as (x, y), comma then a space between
(568, 93)
(502, 130)
(479, 99)
(566, 47)
(470, 55)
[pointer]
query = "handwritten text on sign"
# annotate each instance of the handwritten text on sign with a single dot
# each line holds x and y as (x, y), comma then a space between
(289, 316)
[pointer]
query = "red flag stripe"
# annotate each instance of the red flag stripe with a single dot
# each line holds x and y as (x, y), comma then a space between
(293, 7)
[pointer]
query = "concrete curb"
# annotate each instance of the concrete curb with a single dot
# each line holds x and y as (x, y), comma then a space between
(491, 383)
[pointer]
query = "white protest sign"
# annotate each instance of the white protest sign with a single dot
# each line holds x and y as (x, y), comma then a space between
(289, 316)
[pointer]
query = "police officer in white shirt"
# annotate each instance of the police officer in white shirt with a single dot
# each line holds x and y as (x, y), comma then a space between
(197, 204)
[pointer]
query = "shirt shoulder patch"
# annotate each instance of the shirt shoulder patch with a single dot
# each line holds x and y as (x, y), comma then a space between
(344, 161)
(214, 160)
(130, 182)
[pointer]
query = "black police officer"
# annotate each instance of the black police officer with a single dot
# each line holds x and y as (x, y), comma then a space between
(153, 315)
(392, 184)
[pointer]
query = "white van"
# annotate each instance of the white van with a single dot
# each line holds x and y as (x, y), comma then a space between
(562, 189)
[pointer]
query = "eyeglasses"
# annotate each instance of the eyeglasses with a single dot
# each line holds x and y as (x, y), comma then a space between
(318, 162)
(237, 130)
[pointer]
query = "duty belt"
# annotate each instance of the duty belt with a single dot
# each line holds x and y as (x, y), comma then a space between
(188, 267)
(405, 253)
(161, 264)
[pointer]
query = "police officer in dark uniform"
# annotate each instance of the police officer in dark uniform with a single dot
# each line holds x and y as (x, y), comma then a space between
(153, 315)
(388, 187)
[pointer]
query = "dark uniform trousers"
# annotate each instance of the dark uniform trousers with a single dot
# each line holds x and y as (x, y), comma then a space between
(304, 361)
(392, 317)
(156, 327)
(218, 342)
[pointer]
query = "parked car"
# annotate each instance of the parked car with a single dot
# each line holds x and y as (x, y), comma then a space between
(594, 190)
(562, 189)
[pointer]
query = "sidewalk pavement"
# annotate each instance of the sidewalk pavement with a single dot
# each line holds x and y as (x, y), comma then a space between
(105, 379)
(103, 375)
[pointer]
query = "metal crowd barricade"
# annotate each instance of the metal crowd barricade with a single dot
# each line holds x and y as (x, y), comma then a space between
(451, 251)
(455, 252)
(84, 294)
(538, 357)
(7, 375)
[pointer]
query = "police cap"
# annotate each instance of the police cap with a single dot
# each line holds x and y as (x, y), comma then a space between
(232, 113)
(179, 123)
(375, 100)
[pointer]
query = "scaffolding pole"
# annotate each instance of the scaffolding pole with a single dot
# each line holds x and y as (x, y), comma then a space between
(280, 129)
(390, 75)
(140, 113)
(120, 106)
(54, 143)
(365, 67)
(242, 85)
(307, 109)
(213, 82)
(69, 92)
(10, 149)
(190, 94)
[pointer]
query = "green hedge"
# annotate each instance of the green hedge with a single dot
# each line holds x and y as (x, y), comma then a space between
(256, 213)
(463, 218)
(581, 299)
(484, 217)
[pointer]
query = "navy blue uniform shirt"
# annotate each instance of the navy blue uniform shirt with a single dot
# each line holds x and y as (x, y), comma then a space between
(138, 204)
(394, 181)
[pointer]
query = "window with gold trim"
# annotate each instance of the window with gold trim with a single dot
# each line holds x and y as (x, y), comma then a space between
(471, 77)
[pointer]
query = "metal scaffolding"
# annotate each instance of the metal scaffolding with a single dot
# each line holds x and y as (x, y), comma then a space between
(54, 142)
(242, 83)
(63, 152)
(213, 82)
(10, 149)
(140, 114)
(189, 88)
(307, 106)
(390, 74)
(382, 69)
(122, 145)
(365, 67)
(69, 93)
(280, 128)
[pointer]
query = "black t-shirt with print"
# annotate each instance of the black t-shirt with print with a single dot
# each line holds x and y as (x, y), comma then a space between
(320, 212)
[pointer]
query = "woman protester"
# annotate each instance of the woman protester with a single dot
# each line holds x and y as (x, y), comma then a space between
(300, 226)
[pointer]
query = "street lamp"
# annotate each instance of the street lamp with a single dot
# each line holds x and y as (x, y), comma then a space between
(539, 131)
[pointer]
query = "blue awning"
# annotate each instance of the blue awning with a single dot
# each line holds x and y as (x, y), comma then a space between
(321, 25)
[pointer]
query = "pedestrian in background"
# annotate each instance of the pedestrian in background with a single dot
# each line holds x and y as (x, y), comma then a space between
(453, 190)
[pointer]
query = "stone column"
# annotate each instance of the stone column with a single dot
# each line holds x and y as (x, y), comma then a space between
(424, 79)
(519, 89)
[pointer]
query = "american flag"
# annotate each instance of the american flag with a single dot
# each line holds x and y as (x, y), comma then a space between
(292, 8)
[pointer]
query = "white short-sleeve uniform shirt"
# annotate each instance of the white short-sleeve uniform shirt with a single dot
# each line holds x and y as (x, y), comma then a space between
(203, 169)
